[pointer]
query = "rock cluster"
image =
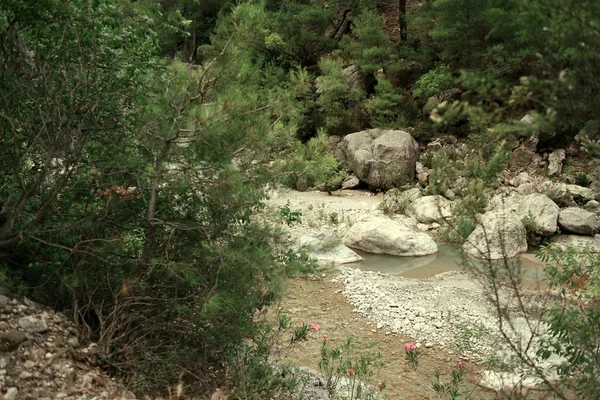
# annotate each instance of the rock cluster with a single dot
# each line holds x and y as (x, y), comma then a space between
(426, 310)
(41, 357)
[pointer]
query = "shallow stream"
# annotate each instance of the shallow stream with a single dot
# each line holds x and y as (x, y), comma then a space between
(448, 258)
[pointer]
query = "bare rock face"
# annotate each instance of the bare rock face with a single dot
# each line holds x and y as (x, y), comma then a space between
(497, 236)
(381, 158)
(577, 220)
(385, 236)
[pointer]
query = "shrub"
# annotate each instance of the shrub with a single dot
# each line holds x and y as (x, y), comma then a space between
(337, 100)
(435, 81)
(387, 107)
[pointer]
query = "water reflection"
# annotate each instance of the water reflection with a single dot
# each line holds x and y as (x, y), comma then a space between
(448, 258)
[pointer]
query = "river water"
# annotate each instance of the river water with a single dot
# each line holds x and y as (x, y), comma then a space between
(448, 258)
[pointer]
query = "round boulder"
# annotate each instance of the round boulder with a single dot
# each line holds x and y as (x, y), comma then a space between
(497, 236)
(381, 158)
(385, 236)
(430, 209)
(577, 220)
(541, 211)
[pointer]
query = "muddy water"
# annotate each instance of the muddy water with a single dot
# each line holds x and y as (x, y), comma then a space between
(448, 258)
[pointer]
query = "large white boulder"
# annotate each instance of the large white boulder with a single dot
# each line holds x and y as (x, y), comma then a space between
(578, 220)
(326, 246)
(541, 211)
(381, 158)
(430, 209)
(497, 235)
(384, 236)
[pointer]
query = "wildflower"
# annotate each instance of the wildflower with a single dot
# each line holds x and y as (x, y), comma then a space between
(350, 372)
(314, 327)
(324, 337)
(409, 347)
(462, 364)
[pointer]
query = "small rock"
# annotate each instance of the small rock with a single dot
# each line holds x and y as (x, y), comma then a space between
(428, 345)
(11, 340)
(4, 326)
(11, 394)
(73, 342)
(4, 361)
(32, 324)
(28, 364)
(25, 375)
(3, 301)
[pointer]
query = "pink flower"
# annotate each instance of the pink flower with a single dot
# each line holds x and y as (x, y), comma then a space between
(462, 364)
(350, 372)
(409, 347)
(379, 384)
(314, 327)
(324, 337)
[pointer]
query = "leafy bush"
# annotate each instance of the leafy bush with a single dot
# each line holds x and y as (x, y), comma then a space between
(311, 165)
(435, 81)
(573, 318)
(393, 203)
(369, 48)
(388, 108)
(350, 362)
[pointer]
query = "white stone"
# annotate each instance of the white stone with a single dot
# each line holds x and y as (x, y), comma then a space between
(384, 236)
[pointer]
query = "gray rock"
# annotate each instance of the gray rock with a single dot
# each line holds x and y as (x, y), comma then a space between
(498, 235)
(32, 324)
(566, 241)
(423, 178)
(558, 192)
(381, 158)
(521, 158)
(12, 393)
(527, 119)
(577, 220)
(429, 209)
(581, 193)
(555, 162)
(326, 246)
(591, 206)
(3, 301)
(384, 236)
(351, 182)
(11, 340)
(542, 212)
(354, 77)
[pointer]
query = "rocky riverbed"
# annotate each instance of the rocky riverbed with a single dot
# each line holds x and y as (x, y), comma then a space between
(449, 311)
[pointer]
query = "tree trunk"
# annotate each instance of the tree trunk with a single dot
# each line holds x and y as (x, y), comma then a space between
(402, 20)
